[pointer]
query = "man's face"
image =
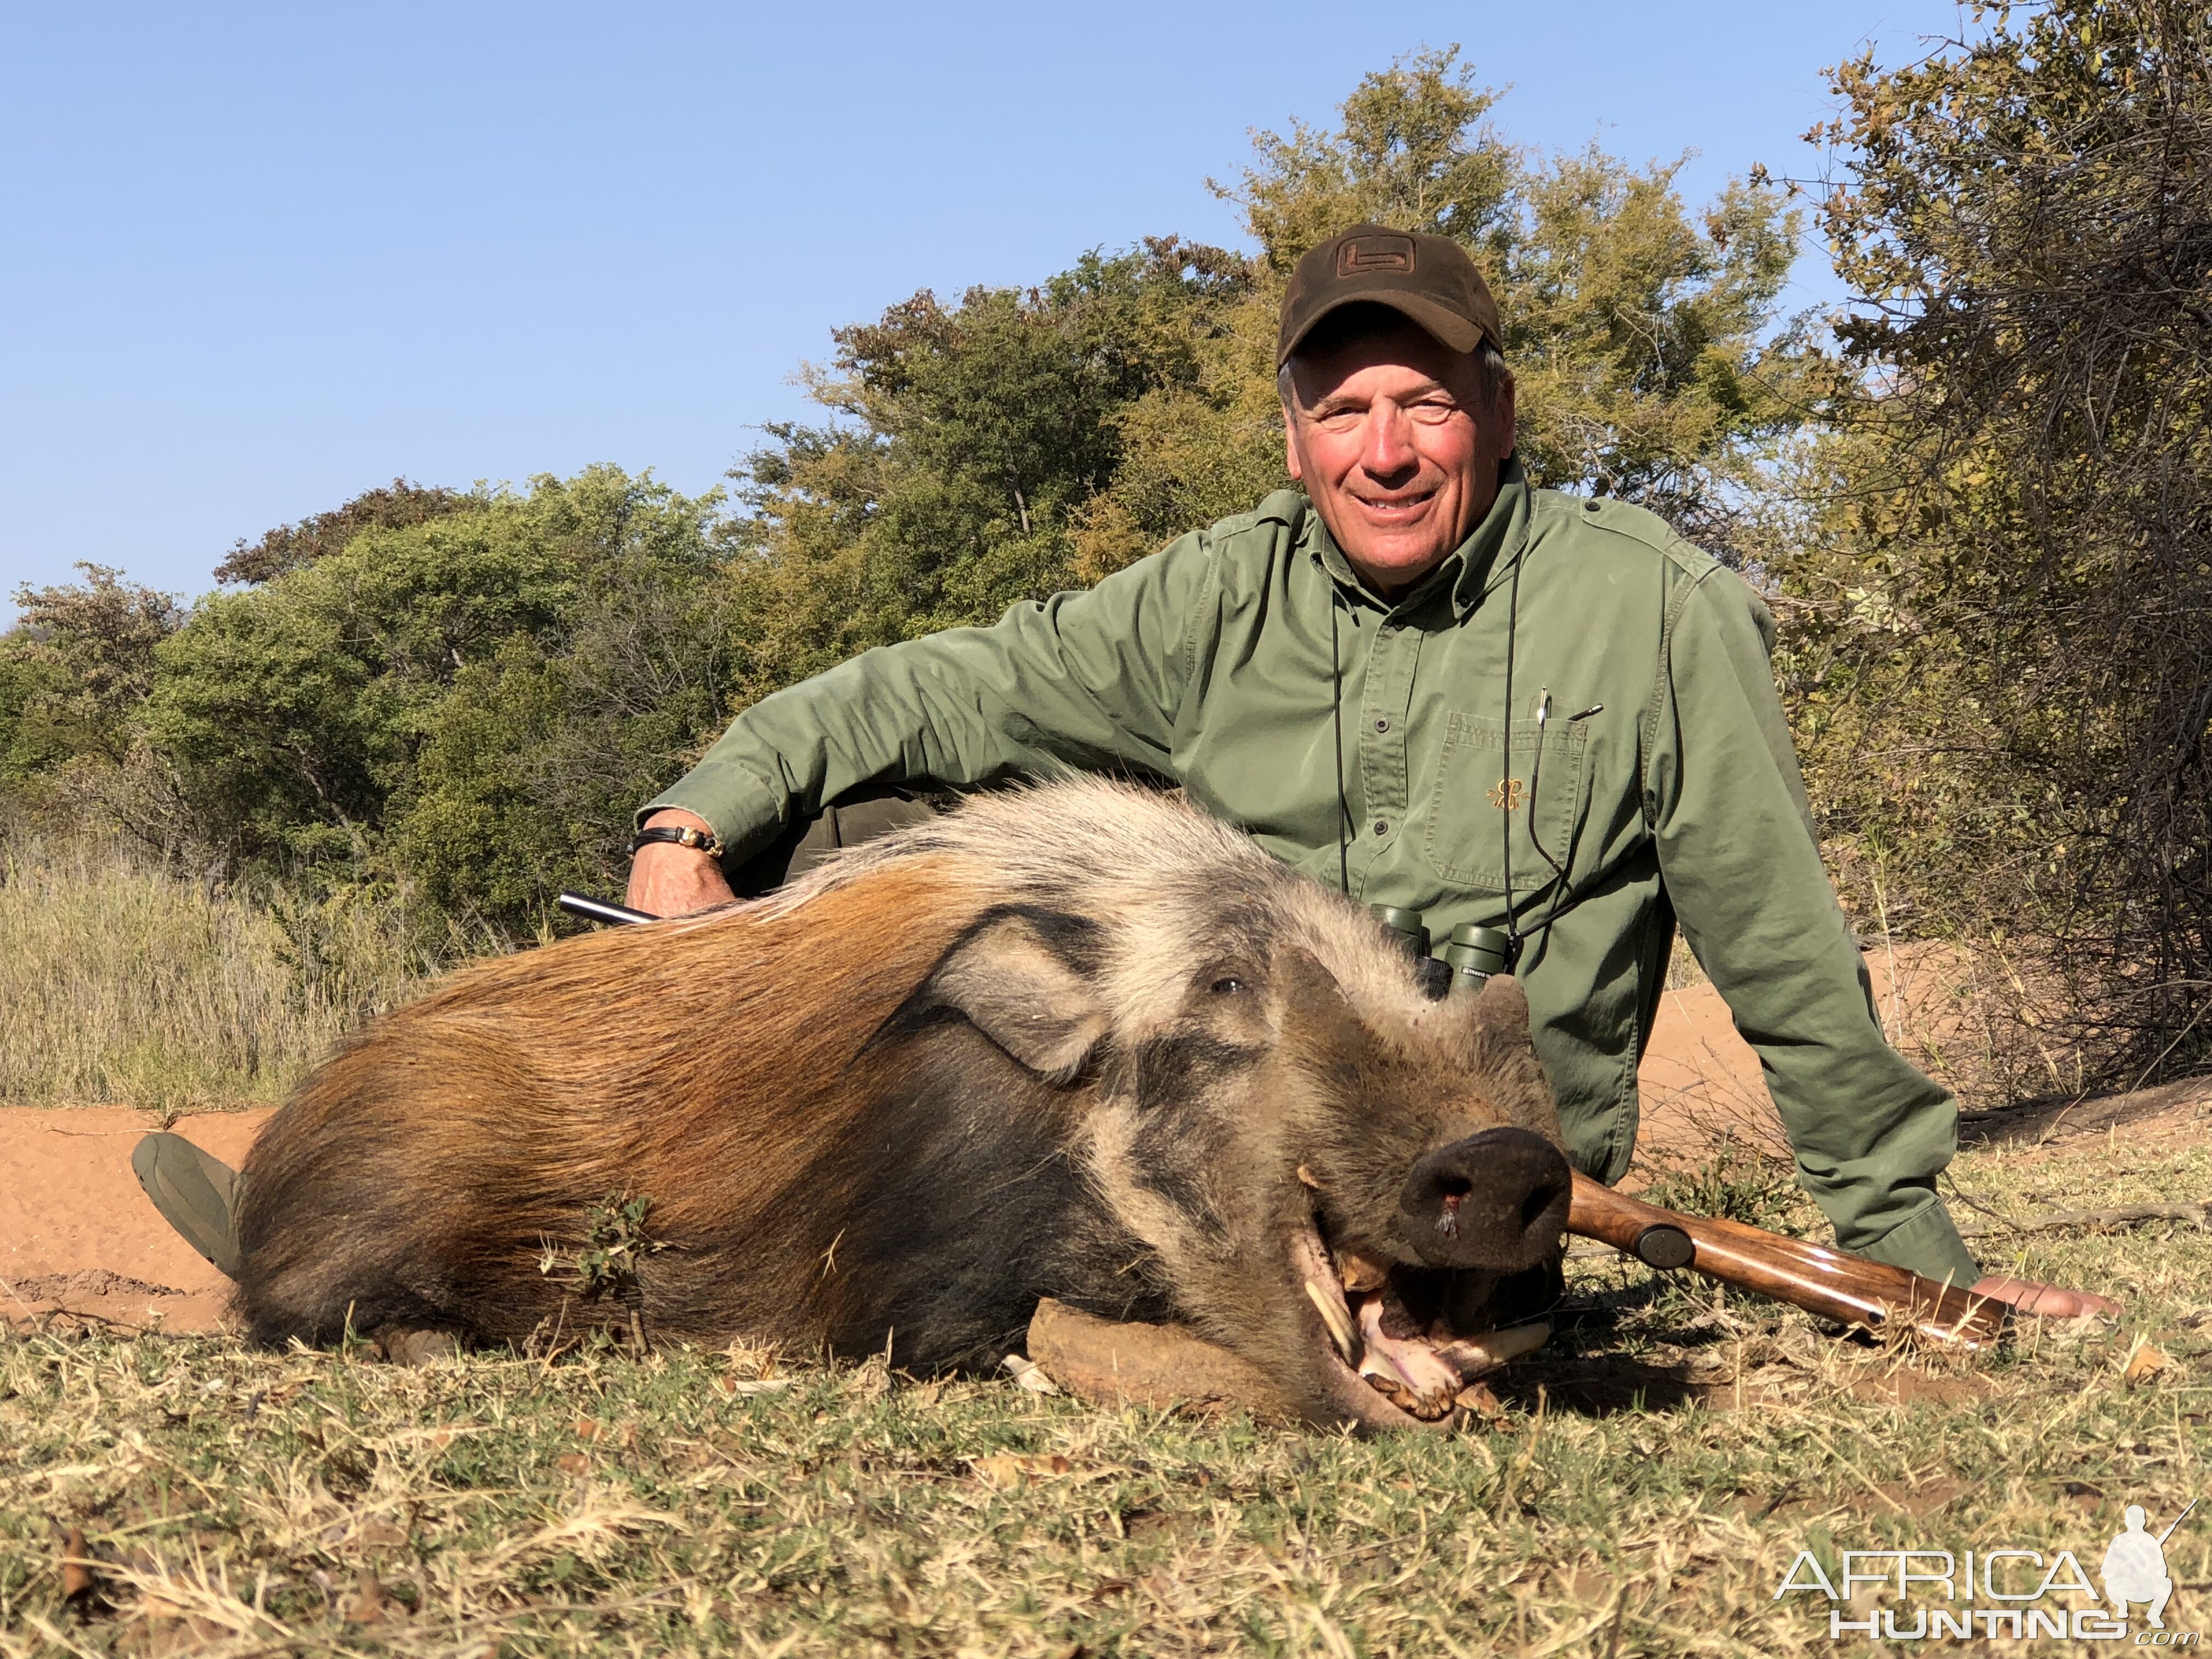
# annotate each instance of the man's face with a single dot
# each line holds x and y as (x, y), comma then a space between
(1388, 433)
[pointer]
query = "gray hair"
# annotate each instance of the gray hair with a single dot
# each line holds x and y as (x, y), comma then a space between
(1491, 374)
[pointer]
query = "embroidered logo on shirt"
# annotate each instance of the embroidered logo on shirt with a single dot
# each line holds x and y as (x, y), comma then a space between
(1508, 794)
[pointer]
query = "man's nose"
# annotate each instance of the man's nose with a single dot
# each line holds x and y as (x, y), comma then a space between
(1390, 448)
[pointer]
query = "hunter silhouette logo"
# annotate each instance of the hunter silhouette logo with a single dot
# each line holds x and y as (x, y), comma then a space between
(2135, 1567)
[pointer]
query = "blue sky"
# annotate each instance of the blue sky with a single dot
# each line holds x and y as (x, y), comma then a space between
(257, 259)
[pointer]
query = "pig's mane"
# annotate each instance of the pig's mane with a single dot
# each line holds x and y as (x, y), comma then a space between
(1145, 860)
(1073, 840)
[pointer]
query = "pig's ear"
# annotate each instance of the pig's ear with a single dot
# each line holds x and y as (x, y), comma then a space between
(1023, 978)
(1502, 1049)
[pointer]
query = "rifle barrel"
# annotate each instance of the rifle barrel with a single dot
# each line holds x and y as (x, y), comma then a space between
(592, 909)
(2176, 1522)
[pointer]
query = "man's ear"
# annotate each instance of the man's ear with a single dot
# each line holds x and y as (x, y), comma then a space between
(1021, 979)
(1291, 445)
(1502, 414)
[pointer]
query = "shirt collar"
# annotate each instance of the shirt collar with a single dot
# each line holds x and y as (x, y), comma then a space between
(1470, 570)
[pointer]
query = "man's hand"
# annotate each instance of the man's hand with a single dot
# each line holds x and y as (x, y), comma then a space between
(2025, 1296)
(668, 880)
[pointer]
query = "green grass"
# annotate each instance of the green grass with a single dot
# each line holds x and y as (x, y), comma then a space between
(604, 1503)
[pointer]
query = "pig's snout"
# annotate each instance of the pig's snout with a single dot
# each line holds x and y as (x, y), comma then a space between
(1497, 1199)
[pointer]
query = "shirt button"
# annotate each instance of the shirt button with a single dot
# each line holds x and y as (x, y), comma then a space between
(1381, 725)
(1382, 827)
(1590, 506)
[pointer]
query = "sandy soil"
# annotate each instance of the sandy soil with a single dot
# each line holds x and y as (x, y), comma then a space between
(77, 1237)
(79, 1241)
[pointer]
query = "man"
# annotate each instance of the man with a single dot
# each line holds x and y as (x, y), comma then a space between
(1425, 682)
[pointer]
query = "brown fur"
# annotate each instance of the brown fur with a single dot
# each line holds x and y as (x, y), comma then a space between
(1076, 1041)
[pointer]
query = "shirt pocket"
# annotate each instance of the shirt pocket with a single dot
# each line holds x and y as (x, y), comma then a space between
(1480, 799)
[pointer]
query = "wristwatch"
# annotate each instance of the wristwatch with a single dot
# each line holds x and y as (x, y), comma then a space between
(700, 841)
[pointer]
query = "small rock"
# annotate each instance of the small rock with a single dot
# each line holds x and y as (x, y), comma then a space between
(1114, 1362)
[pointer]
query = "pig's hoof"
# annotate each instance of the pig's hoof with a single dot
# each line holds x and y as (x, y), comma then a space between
(404, 1345)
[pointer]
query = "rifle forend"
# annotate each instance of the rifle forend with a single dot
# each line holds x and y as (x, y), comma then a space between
(1826, 1283)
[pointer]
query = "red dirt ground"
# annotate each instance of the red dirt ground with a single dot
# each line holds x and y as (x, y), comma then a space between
(77, 1236)
(79, 1241)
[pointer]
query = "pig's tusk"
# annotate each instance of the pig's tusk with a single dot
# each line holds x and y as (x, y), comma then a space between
(1339, 1320)
(1477, 1356)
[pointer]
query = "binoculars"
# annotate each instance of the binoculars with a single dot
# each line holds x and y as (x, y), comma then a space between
(1472, 955)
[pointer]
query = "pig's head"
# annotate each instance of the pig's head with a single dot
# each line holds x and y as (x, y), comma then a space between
(1322, 1168)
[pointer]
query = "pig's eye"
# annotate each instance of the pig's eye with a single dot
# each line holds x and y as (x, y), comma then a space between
(1227, 986)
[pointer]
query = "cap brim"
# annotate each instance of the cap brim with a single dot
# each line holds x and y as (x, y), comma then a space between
(1447, 327)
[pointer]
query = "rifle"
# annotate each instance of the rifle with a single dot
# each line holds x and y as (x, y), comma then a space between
(1827, 1283)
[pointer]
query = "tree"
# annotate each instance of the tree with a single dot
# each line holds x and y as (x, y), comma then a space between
(290, 546)
(967, 448)
(75, 667)
(471, 704)
(2017, 583)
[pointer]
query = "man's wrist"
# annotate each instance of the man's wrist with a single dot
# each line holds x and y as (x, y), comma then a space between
(679, 831)
(686, 835)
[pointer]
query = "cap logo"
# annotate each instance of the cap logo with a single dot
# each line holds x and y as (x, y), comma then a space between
(1369, 256)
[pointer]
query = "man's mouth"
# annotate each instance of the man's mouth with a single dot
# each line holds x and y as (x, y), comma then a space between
(1427, 1379)
(1396, 509)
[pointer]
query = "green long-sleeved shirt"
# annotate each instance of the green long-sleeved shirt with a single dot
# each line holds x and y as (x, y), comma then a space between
(1667, 789)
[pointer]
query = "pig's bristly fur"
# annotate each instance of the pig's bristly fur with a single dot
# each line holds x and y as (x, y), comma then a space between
(1078, 1041)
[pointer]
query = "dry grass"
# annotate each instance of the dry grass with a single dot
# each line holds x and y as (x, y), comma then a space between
(604, 1504)
(123, 980)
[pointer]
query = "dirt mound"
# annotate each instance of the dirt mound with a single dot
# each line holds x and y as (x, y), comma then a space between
(2169, 1111)
(93, 1281)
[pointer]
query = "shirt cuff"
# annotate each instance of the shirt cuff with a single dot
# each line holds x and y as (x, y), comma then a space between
(1928, 1245)
(743, 812)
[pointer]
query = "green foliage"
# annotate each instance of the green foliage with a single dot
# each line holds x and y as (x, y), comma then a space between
(289, 547)
(472, 705)
(74, 668)
(2001, 612)
(615, 1244)
(967, 450)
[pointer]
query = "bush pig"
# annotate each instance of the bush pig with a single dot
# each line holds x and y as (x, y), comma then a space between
(1077, 1041)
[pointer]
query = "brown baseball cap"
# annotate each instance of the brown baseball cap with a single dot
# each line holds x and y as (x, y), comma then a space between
(1427, 278)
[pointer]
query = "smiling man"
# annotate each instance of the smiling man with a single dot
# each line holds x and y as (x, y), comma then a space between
(1424, 681)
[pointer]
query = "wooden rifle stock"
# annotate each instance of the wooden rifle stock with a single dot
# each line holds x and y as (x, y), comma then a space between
(1826, 1283)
